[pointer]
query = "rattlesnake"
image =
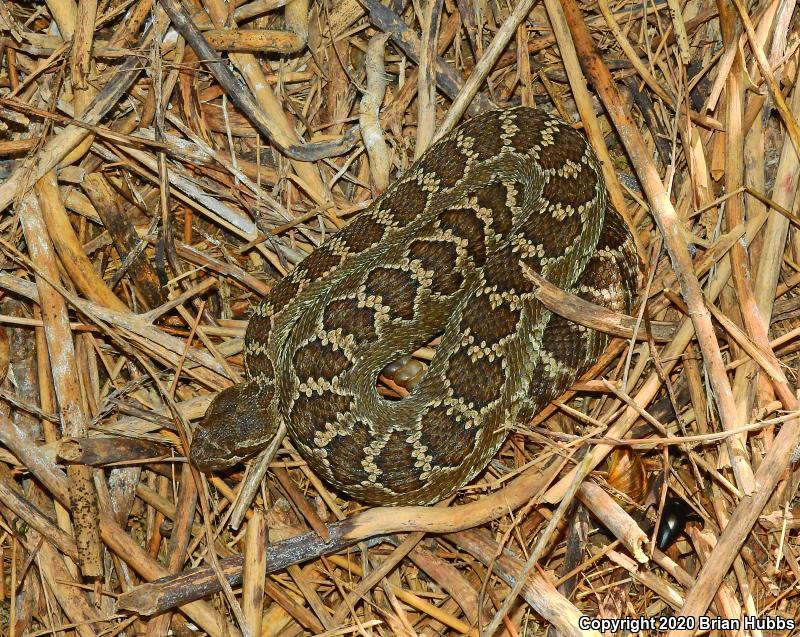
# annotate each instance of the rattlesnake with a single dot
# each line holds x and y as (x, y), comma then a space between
(438, 254)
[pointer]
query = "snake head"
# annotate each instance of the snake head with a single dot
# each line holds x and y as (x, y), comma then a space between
(237, 425)
(208, 455)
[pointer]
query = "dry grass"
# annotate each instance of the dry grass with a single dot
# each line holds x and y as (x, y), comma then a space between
(144, 212)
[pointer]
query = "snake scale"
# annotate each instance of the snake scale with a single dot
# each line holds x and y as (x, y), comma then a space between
(439, 254)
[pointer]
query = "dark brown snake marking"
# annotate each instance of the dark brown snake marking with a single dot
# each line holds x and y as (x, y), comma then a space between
(438, 253)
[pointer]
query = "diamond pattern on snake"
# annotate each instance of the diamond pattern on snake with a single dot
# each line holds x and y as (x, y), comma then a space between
(440, 253)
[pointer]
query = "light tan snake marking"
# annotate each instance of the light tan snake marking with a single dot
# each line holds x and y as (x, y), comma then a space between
(438, 253)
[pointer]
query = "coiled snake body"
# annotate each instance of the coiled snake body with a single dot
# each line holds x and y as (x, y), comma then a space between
(438, 254)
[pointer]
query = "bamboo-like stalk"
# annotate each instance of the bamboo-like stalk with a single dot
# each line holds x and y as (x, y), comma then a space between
(667, 221)
(62, 356)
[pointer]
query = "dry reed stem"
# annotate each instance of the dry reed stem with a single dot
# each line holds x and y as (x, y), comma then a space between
(69, 248)
(281, 127)
(426, 83)
(664, 214)
(65, 381)
(81, 64)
